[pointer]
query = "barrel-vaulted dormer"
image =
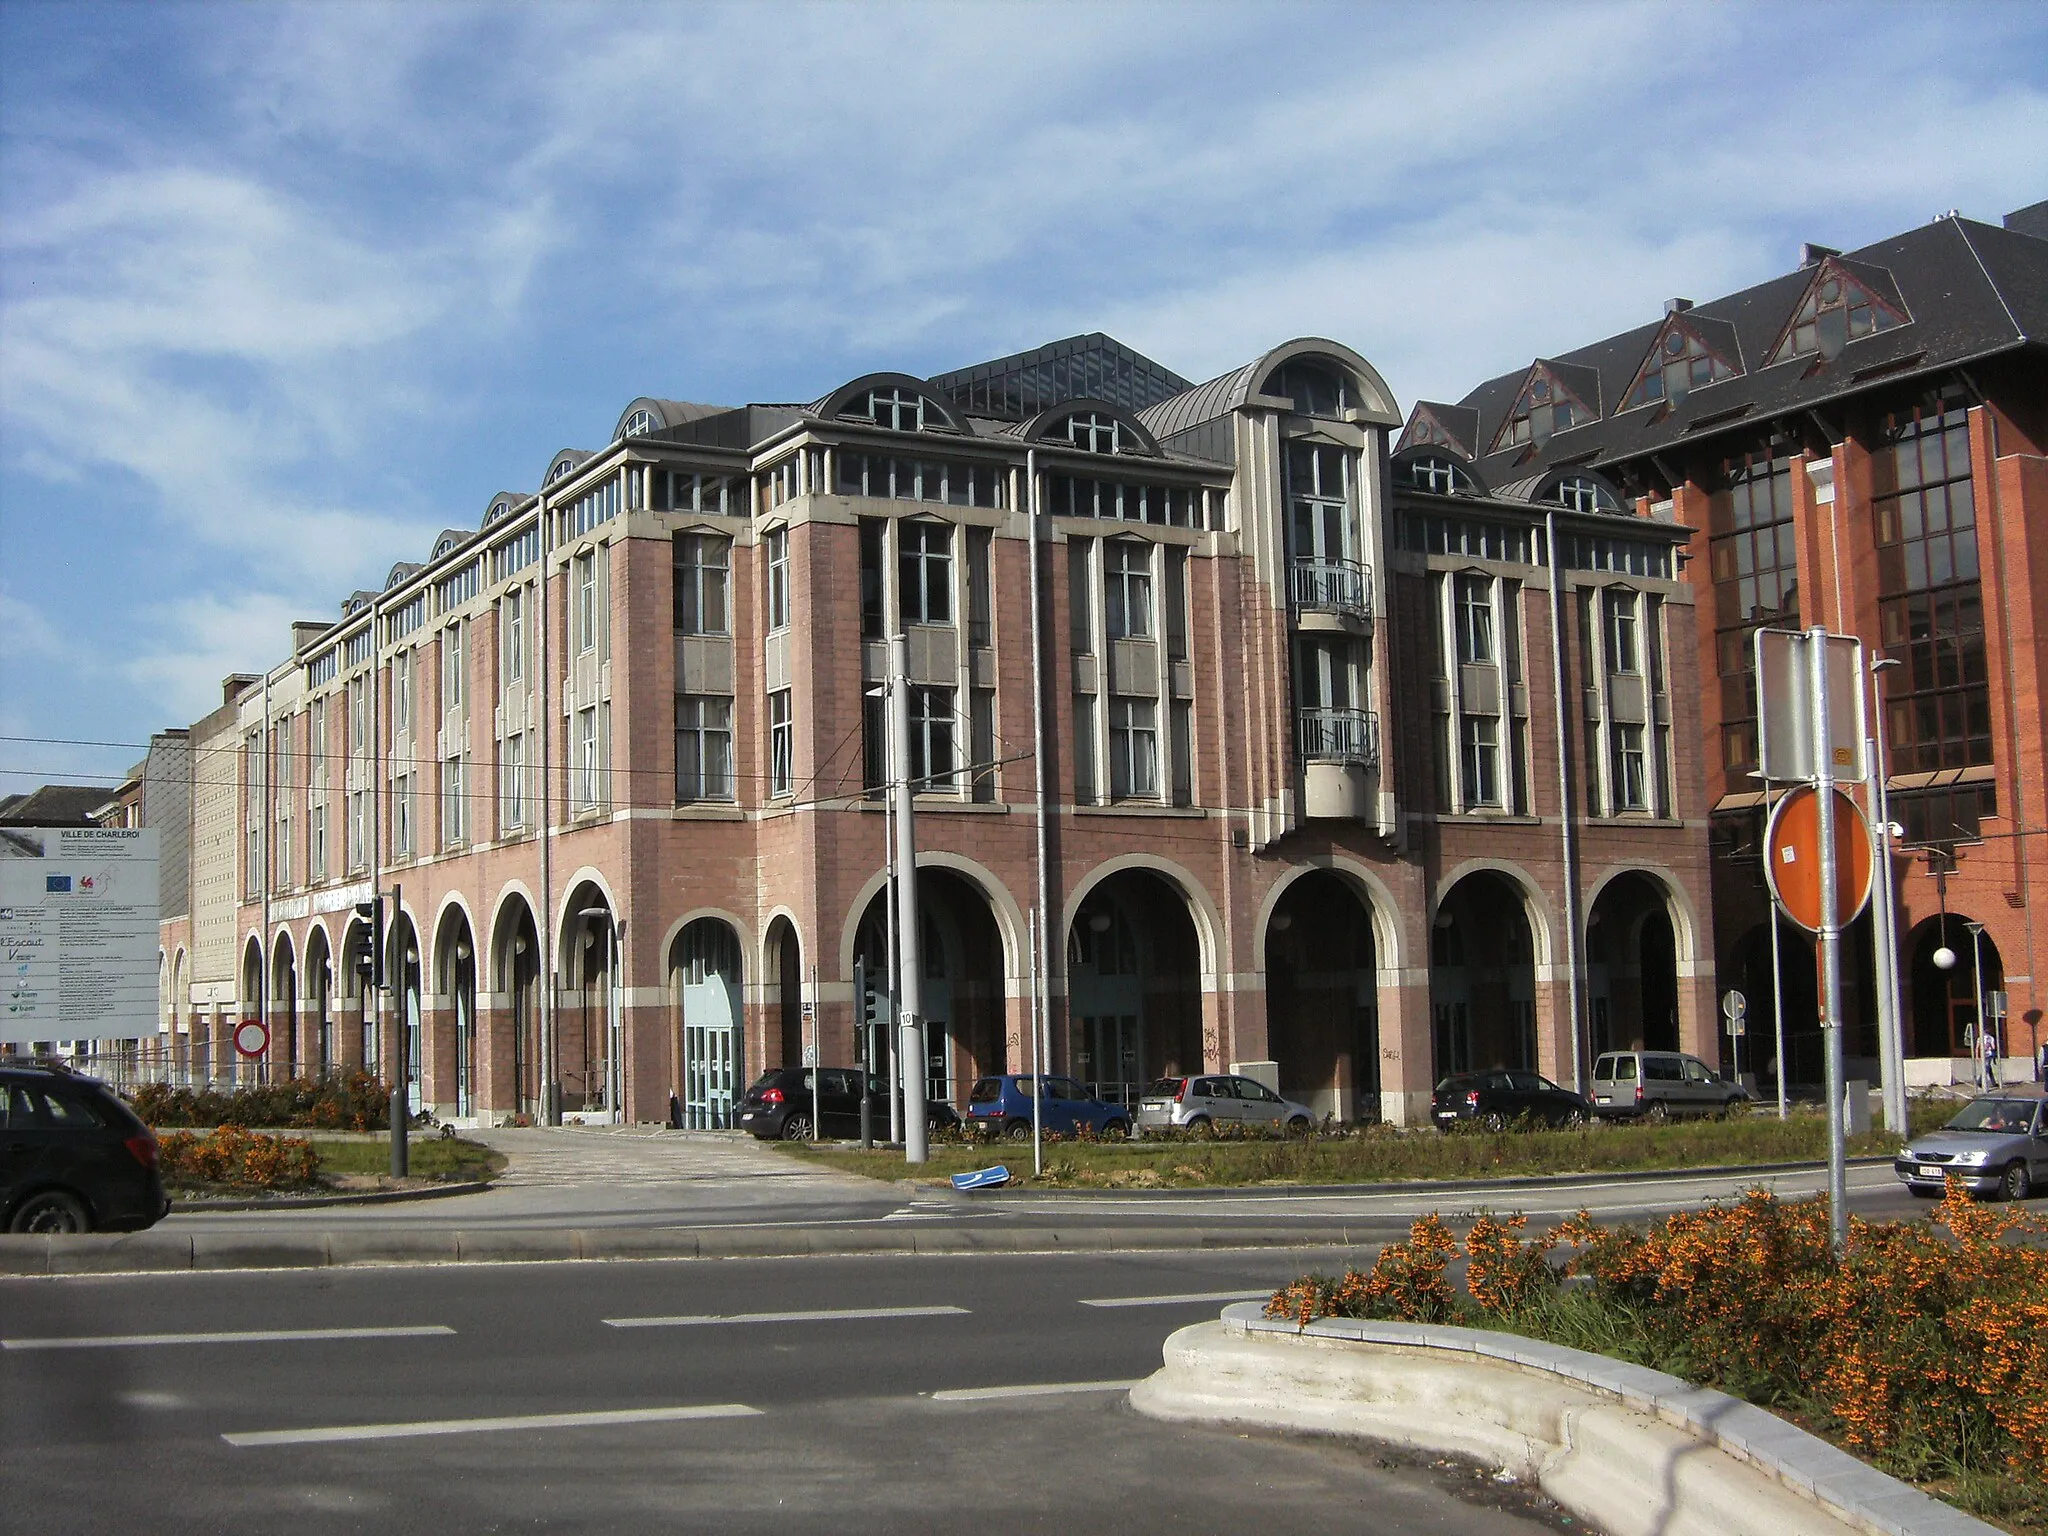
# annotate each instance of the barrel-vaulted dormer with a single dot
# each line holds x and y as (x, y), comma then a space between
(893, 401)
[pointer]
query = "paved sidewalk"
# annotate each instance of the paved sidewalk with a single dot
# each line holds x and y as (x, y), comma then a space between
(638, 1157)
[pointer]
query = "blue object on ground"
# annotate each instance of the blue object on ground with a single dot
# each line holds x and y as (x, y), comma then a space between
(982, 1178)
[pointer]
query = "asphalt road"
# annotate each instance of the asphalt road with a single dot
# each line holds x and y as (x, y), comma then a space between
(910, 1394)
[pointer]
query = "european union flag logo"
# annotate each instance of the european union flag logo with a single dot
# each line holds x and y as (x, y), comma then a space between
(57, 883)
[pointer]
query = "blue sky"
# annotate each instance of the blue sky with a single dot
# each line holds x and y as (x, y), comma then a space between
(284, 290)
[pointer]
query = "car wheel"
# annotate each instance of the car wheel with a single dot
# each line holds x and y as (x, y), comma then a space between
(1493, 1120)
(52, 1211)
(1017, 1130)
(1298, 1126)
(1117, 1130)
(2016, 1185)
(1657, 1114)
(797, 1128)
(1574, 1120)
(1200, 1126)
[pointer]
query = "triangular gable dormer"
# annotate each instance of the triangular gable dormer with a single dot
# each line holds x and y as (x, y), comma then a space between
(1435, 425)
(1554, 398)
(1683, 356)
(1843, 302)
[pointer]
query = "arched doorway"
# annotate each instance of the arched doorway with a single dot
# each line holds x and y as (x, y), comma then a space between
(282, 1058)
(1944, 1002)
(1322, 997)
(1482, 977)
(356, 1031)
(784, 996)
(588, 1034)
(1134, 989)
(961, 964)
(253, 1002)
(1794, 993)
(1632, 966)
(517, 948)
(319, 1004)
(404, 975)
(455, 980)
(706, 971)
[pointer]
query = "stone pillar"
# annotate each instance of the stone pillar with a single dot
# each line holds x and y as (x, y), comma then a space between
(1407, 1055)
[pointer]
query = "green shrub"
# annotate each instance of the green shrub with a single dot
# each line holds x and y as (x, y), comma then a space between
(335, 1101)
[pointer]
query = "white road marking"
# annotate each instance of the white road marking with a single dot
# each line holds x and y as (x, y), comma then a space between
(487, 1426)
(253, 1336)
(845, 1314)
(1035, 1389)
(1174, 1301)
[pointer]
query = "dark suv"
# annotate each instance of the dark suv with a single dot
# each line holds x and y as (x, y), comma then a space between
(73, 1156)
(778, 1106)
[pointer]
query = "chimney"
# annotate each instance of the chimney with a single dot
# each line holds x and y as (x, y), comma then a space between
(1811, 255)
(306, 631)
(235, 684)
(1676, 306)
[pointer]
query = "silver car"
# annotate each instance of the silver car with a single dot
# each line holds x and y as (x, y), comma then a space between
(1217, 1099)
(1997, 1146)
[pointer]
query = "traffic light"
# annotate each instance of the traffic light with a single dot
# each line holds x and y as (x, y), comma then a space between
(369, 955)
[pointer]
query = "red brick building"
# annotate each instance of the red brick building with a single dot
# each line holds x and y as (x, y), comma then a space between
(1259, 723)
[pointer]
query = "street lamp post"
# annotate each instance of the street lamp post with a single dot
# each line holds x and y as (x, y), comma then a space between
(1977, 983)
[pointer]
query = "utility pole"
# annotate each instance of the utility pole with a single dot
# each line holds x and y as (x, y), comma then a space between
(910, 1016)
(1830, 941)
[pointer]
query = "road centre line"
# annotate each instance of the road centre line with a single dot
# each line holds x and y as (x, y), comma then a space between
(251, 1336)
(342, 1432)
(1171, 1301)
(1035, 1389)
(844, 1314)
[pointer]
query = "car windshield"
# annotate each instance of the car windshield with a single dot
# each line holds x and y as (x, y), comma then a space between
(989, 1088)
(1999, 1116)
(1165, 1088)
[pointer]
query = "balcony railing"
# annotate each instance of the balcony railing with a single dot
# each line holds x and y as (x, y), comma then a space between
(1340, 736)
(1339, 586)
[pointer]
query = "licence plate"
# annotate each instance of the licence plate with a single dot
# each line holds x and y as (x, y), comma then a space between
(1158, 1105)
(1933, 1173)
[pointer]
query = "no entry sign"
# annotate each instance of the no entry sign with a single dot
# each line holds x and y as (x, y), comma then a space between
(252, 1038)
(1792, 858)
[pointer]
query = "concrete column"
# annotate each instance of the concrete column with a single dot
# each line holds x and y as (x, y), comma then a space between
(1407, 1059)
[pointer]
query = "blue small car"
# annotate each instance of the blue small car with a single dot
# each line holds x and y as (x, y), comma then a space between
(1001, 1106)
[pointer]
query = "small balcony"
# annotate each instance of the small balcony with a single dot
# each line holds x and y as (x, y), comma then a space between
(1341, 587)
(1349, 736)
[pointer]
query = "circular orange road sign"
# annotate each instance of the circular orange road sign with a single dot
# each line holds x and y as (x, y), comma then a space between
(1792, 858)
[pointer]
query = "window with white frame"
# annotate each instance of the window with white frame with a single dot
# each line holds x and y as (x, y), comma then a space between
(1133, 749)
(358, 829)
(454, 800)
(281, 755)
(1624, 646)
(781, 744)
(401, 816)
(512, 610)
(1481, 742)
(512, 782)
(253, 815)
(1094, 432)
(900, 410)
(586, 757)
(586, 600)
(925, 569)
(778, 579)
(1631, 769)
(454, 667)
(703, 747)
(316, 838)
(932, 759)
(1474, 619)
(401, 693)
(1127, 583)
(702, 566)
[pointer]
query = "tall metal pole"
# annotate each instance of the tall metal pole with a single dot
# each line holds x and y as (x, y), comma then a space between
(1037, 1064)
(910, 1021)
(1892, 1014)
(1977, 980)
(1778, 1008)
(1830, 939)
(893, 975)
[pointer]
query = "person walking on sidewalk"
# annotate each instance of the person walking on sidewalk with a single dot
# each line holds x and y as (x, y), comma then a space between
(1987, 1052)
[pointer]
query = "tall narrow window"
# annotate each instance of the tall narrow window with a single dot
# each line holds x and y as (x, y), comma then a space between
(454, 801)
(401, 693)
(924, 567)
(778, 579)
(703, 748)
(401, 815)
(586, 757)
(874, 544)
(512, 782)
(983, 747)
(1080, 595)
(980, 628)
(781, 744)
(1482, 760)
(1127, 589)
(454, 668)
(931, 739)
(1631, 769)
(514, 611)
(702, 563)
(1174, 608)
(1624, 650)
(586, 601)
(1475, 619)
(316, 827)
(1085, 779)
(1133, 749)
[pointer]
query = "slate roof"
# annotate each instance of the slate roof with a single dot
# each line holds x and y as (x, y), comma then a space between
(1969, 289)
(56, 805)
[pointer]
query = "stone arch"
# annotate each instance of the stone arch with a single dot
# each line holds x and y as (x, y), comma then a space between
(1319, 954)
(1942, 1005)
(966, 963)
(451, 1045)
(1138, 984)
(705, 963)
(1011, 924)
(1535, 906)
(1483, 972)
(589, 1019)
(1202, 910)
(318, 968)
(282, 1012)
(587, 875)
(1637, 948)
(515, 984)
(1389, 942)
(782, 986)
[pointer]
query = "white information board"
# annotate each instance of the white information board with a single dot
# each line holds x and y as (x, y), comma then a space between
(78, 933)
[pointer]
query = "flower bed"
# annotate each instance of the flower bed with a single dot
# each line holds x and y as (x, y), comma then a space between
(1925, 1350)
(342, 1101)
(229, 1155)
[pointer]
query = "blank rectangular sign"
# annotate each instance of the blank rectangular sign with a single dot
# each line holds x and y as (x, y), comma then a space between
(1785, 712)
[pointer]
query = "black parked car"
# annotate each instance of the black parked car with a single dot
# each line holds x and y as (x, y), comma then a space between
(1496, 1099)
(73, 1156)
(778, 1106)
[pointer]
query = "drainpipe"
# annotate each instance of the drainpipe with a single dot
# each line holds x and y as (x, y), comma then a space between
(1041, 968)
(1567, 838)
(550, 1083)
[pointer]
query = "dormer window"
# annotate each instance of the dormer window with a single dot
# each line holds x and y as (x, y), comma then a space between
(565, 468)
(1680, 362)
(1837, 309)
(1095, 433)
(1545, 405)
(1583, 493)
(900, 410)
(640, 423)
(1435, 472)
(443, 547)
(1315, 389)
